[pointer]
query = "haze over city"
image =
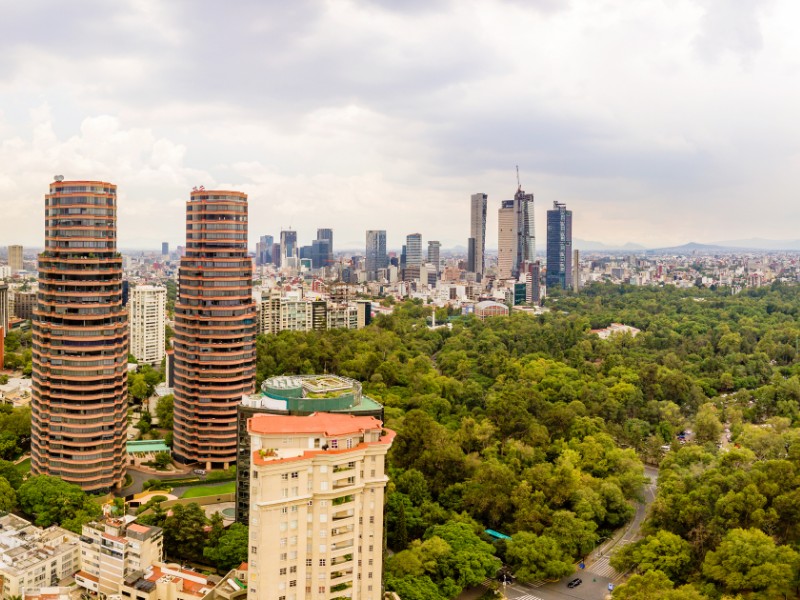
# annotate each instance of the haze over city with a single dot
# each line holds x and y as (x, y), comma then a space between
(657, 124)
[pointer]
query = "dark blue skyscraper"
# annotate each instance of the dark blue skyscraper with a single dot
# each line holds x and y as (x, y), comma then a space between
(559, 247)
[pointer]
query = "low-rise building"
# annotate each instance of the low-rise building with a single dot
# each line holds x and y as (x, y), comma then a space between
(113, 549)
(166, 581)
(32, 558)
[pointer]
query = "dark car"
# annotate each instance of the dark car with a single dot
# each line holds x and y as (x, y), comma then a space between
(505, 577)
(575, 582)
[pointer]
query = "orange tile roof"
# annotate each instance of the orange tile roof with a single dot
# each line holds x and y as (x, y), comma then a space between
(243, 567)
(257, 459)
(320, 422)
(138, 528)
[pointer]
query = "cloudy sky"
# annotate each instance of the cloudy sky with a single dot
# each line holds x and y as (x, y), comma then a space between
(657, 122)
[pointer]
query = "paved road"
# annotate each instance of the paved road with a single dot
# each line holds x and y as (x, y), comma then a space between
(140, 477)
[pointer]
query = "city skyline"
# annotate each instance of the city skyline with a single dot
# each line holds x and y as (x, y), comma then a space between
(350, 116)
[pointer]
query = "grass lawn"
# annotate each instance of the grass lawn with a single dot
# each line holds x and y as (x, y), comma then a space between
(24, 467)
(210, 490)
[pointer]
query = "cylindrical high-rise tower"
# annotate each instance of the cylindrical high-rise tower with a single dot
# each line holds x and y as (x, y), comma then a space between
(80, 340)
(215, 328)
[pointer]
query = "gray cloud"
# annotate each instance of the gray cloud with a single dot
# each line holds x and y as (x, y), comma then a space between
(394, 112)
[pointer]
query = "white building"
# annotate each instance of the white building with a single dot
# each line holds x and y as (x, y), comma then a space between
(316, 506)
(32, 558)
(148, 312)
(115, 548)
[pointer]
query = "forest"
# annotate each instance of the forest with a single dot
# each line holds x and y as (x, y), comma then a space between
(535, 427)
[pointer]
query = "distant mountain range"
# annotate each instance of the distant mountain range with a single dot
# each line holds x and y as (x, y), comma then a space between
(589, 245)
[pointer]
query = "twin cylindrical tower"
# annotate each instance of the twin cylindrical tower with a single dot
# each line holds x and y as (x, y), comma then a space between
(80, 335)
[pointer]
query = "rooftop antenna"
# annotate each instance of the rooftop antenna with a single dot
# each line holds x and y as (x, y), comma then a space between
(519, 186)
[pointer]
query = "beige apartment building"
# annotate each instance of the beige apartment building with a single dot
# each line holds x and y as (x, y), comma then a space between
(506, 239)
(316, 506)
(15, 259)
(147, 312)
(114, 549)
(32, 558)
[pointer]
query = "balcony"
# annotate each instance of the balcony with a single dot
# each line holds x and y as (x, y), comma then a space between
(344, 483)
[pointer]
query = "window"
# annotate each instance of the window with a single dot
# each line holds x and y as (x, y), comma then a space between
(285, 492)
(334, 444)
(285, 476)
(293, 569)
(283, 510)
(321, 562)
(282, 571)
(308, 562)
(254, 549)
(283, 556)
(323, 486)
(372, 519)
(295, 474)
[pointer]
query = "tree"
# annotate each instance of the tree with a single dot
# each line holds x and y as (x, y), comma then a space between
(162, 460)
(664, 552)
(471, 560)
(184, 532)
(164, 411)
(654, 585)
(533, 557)
(749, 560)
(707, 427)
(137, 387)
(576, 536)
(50, 500)
(8, 497)
(230, 549)
(10, 473)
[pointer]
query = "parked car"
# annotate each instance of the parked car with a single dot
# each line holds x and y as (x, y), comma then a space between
(199, 471)
(575, 582)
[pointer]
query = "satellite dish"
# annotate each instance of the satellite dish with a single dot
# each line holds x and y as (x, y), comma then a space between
(59, 178)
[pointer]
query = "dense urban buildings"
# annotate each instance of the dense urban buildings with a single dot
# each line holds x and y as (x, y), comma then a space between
(559, 247)
(376, 257)
(147, 311)
(476, 244)
(316, 506)
(80, 340)
(215, 328)
(15, 259)
(298, 395)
